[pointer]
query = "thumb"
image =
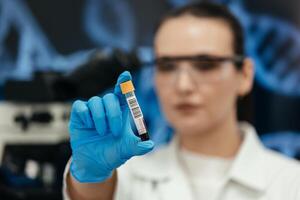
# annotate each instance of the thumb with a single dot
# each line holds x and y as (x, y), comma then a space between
(143, 147)
(133, 146)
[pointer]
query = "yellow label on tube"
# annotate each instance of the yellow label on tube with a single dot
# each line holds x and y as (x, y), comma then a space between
(127, 87)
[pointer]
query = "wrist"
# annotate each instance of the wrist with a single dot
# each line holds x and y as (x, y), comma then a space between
(90, 191)
(88, 177)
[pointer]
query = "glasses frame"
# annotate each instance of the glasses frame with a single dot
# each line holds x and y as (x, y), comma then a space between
(237, 59)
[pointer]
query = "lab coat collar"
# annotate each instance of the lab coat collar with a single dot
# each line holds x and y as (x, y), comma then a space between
(162, 168)
(247, 168)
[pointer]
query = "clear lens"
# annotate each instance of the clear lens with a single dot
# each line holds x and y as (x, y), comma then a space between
(201, 69)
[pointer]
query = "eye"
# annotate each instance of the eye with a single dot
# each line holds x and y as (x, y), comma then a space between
(166, 66)
(207, 65)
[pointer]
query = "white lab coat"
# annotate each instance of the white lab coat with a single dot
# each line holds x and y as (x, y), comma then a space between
(256, 173)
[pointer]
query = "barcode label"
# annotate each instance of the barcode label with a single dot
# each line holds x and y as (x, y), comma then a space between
(136, 111)
(132, 102)
(140, 126)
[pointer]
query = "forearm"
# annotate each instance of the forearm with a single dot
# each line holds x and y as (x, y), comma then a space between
(91, 191)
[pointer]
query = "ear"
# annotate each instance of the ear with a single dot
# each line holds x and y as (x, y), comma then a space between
(246, 77)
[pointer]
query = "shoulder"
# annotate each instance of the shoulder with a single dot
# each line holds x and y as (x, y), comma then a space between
(279, 161)
(270, 161)
(281, 164)
(282, 173)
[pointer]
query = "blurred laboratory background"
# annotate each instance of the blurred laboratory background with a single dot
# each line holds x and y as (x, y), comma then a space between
(55, 51)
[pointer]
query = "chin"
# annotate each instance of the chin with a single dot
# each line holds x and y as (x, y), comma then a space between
(192, 128)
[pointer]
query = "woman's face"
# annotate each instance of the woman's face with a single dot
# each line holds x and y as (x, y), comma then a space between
(195, 99)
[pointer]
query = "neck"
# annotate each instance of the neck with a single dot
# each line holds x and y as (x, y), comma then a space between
(223, 140)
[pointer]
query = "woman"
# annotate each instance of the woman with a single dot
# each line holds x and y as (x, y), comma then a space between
(200, 73)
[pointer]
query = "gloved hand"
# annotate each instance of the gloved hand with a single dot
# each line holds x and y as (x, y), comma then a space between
(101, 136)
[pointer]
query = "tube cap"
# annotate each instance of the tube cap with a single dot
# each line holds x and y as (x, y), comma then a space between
(127, 87)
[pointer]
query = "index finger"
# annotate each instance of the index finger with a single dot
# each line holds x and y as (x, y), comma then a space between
(125, 76)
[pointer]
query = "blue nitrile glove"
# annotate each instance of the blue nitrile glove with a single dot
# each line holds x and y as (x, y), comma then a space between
(101, 136)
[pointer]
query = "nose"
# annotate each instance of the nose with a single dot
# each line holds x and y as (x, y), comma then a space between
(184, 83)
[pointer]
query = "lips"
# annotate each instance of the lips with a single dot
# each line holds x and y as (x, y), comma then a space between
(187, 107)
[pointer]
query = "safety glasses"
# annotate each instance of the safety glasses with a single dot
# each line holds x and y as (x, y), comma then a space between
(203, 68)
